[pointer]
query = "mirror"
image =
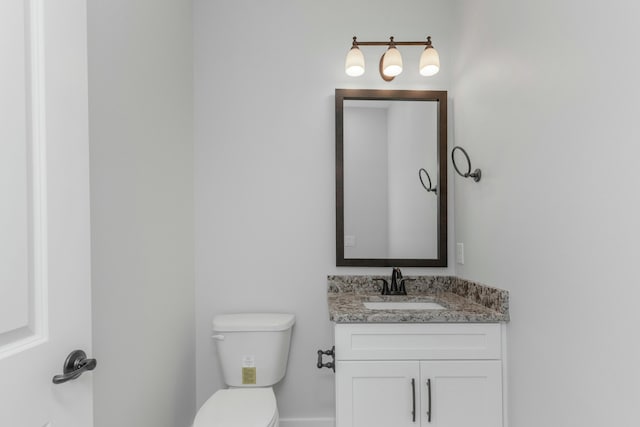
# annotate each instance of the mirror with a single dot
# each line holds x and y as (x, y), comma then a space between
(385, 214)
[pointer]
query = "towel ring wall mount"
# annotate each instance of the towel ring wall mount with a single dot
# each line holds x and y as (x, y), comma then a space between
(476, 174)
(430, 188)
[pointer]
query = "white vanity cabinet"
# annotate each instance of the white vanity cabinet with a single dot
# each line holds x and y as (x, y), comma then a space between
(428, 375)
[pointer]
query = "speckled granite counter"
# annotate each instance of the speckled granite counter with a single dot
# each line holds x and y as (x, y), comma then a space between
(464, 301)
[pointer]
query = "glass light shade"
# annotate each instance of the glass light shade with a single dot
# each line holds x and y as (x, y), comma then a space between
(354, 65)
(392, 62)
(429, 62)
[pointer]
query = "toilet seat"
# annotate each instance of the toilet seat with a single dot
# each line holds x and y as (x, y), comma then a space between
(239, 407)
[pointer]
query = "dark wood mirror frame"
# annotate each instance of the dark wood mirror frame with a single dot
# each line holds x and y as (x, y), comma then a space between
(440, 97)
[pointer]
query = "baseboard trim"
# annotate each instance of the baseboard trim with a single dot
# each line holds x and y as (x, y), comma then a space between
(307, 422)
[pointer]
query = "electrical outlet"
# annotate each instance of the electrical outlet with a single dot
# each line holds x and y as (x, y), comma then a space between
(460, 253)
(349, 241)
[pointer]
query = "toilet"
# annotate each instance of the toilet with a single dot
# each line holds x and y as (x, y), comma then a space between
(253, 349)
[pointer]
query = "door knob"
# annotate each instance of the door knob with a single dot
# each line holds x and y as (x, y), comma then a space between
(74, 366)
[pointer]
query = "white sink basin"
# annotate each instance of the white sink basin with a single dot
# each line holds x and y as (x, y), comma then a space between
(409, 305)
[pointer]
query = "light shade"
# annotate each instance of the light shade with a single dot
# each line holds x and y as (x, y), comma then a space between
(392, 62)
(429, 62)
(354, 65)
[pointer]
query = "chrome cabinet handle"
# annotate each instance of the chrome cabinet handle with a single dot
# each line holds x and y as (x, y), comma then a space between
(74, 366)
(413, 392)
(429, 400)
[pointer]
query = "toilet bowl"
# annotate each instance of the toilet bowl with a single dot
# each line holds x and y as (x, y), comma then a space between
(253, 350)
(239, 407)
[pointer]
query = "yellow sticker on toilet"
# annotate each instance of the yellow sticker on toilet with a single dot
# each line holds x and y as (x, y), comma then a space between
(249, 375)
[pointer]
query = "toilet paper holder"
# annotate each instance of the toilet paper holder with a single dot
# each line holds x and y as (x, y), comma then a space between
(330, 365)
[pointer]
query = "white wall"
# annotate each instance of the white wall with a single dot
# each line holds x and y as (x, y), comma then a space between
(365, 182)
(546, 98)
(141, 133)
(265, 75)
(413, 144)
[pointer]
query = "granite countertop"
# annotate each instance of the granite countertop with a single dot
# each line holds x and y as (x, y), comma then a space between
(464, 301)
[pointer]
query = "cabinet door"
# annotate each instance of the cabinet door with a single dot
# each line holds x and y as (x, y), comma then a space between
(377, 394)
(463, 393)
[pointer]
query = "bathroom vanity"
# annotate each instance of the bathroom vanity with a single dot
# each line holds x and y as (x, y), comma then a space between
(440, 366)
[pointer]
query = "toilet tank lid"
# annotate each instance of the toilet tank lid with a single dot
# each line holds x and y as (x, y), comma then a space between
(253, 322)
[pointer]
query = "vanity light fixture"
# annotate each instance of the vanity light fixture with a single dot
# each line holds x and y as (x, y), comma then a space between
(354, 65)
(391, 61)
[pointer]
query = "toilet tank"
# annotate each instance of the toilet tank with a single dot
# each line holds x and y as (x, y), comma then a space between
(253, 348)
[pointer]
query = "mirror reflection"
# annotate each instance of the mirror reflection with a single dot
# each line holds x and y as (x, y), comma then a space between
(385, 215)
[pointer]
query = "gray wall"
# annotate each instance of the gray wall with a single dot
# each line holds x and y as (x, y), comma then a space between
(141, 142)
(546, 101)
(265, 75)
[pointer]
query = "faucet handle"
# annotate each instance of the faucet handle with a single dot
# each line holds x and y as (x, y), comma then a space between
(402, 289)
(385, 286)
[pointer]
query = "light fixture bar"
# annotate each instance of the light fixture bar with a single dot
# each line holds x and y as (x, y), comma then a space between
(391, 65)
(422, 43)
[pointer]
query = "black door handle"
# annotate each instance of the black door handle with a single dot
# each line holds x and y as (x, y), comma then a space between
(74, 366)
(413, 393)
(429, 400)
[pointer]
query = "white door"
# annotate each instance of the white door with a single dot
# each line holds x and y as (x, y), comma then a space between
(461, 393)
(377, 394)
(45, 298)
